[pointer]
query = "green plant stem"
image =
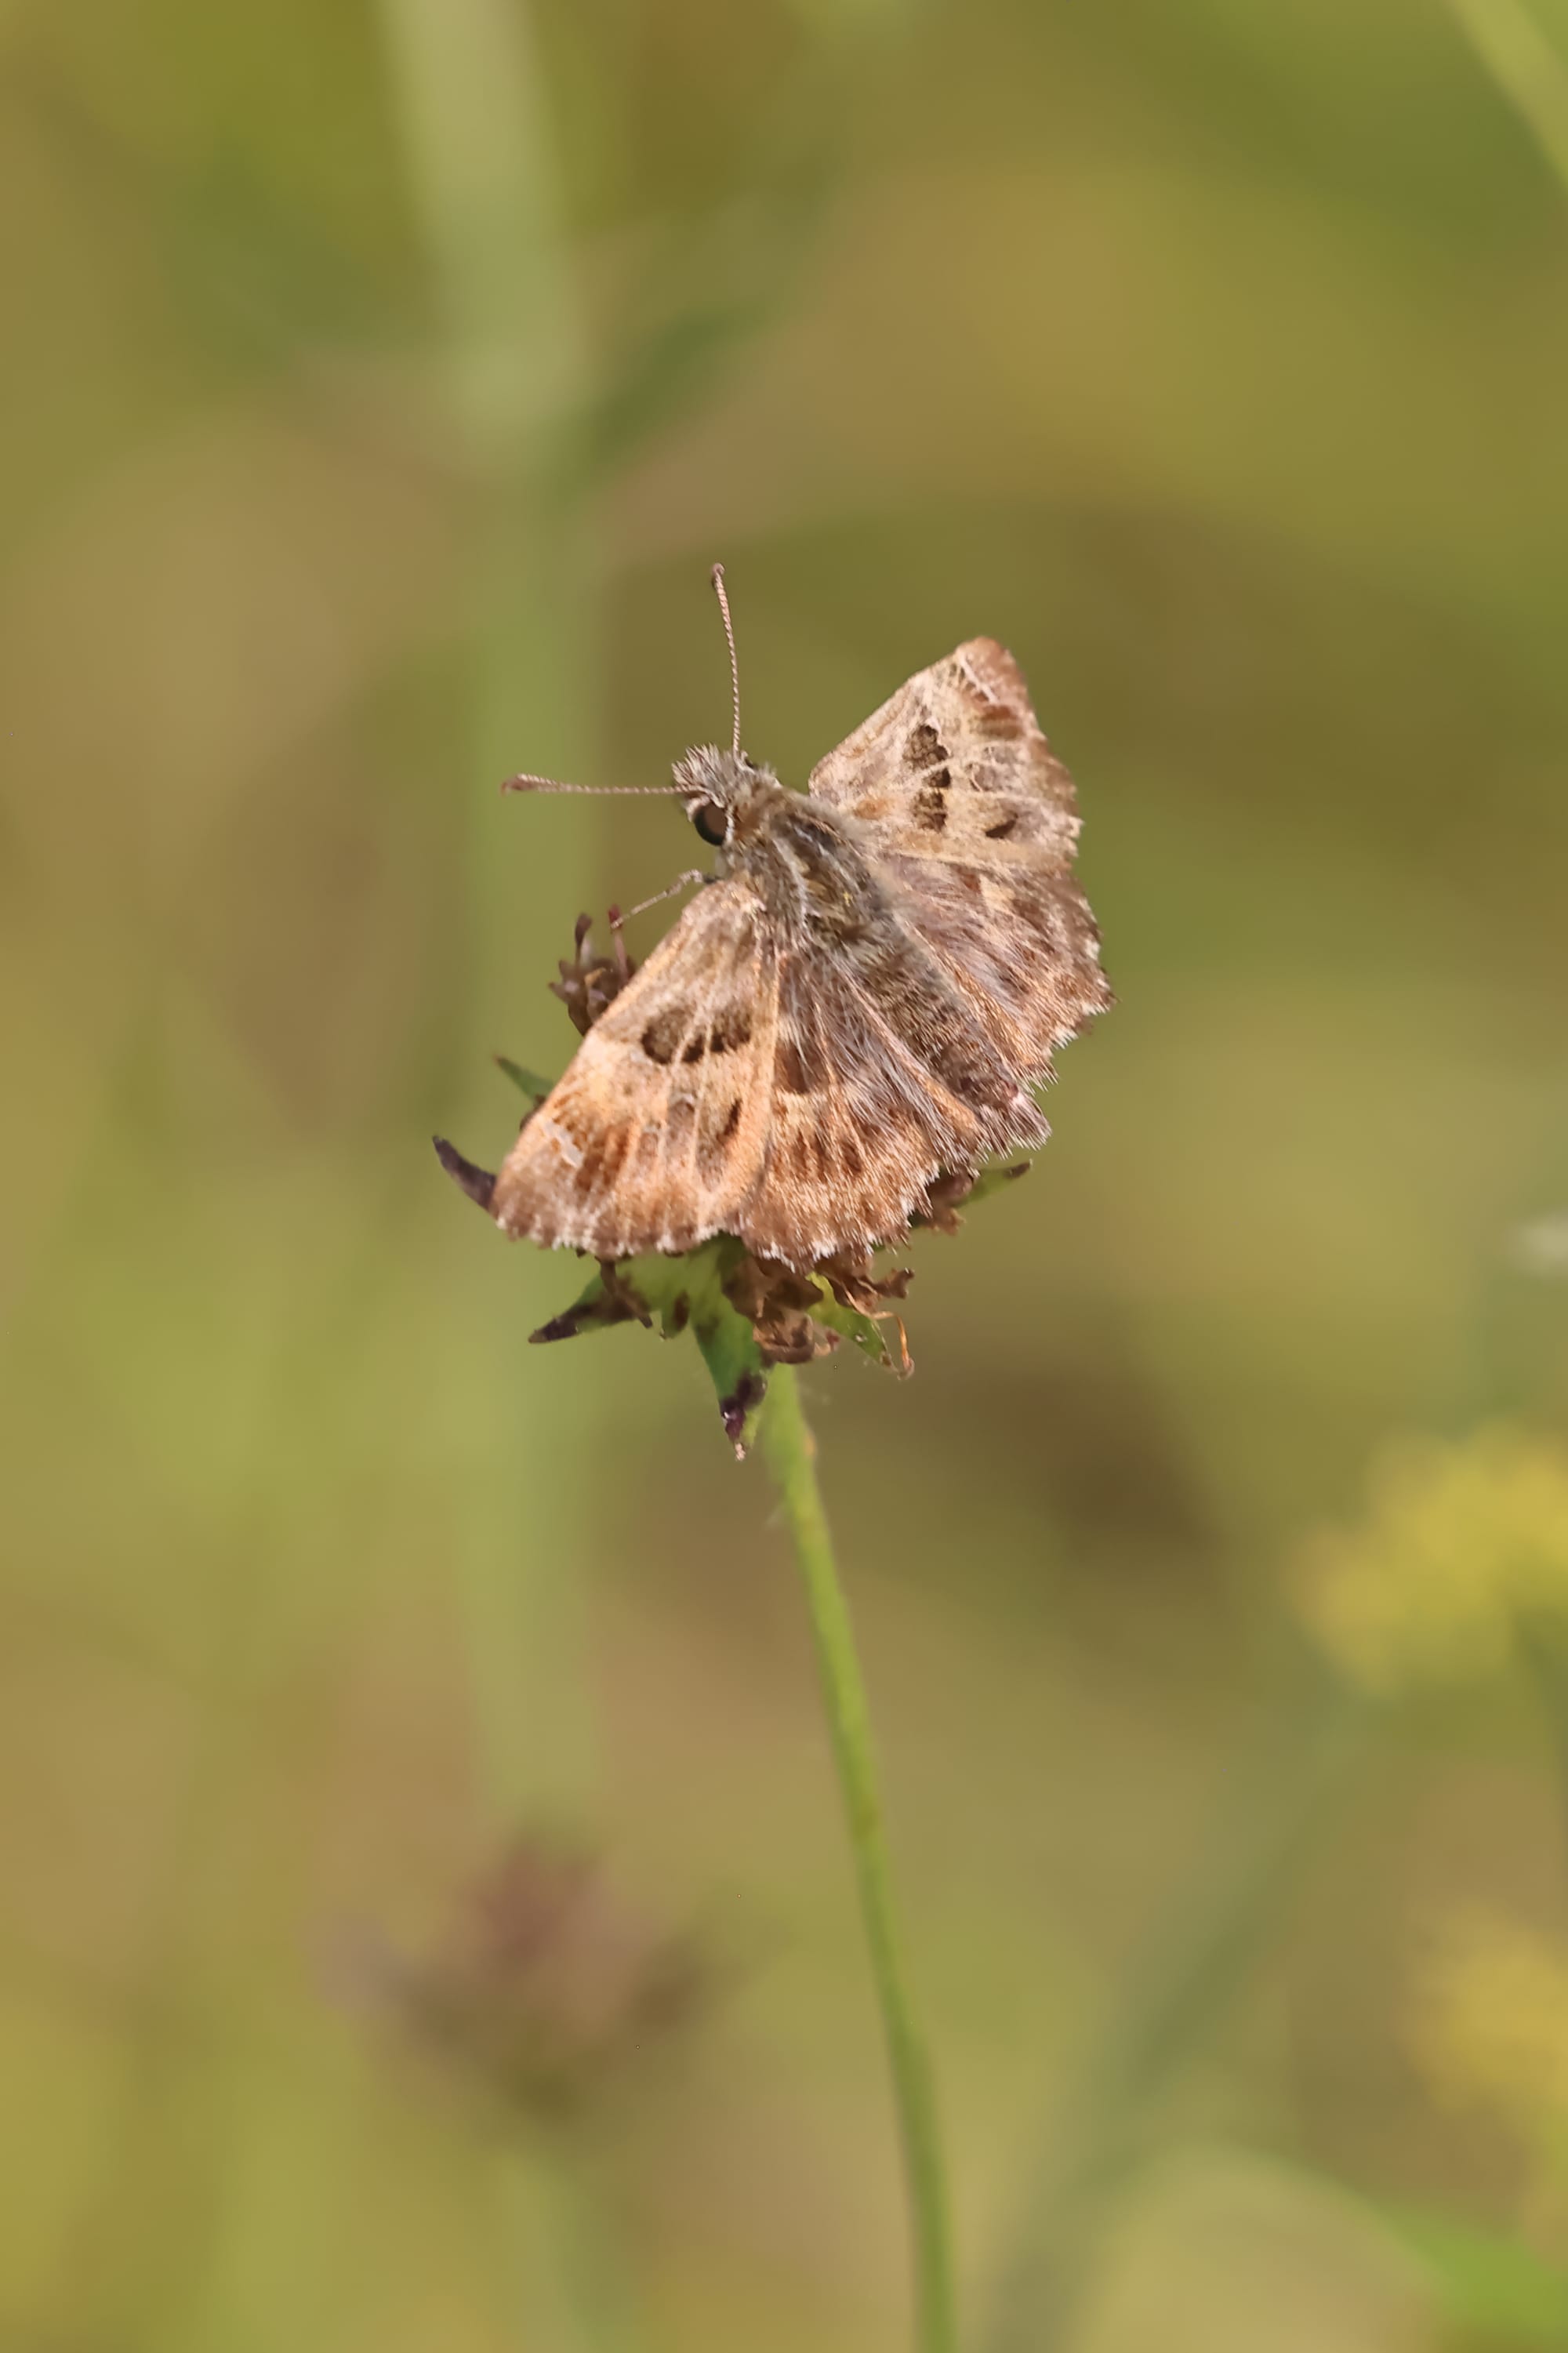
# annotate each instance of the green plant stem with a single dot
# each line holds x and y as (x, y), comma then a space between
(571, 2289)
(472, 113)
(789, 1449)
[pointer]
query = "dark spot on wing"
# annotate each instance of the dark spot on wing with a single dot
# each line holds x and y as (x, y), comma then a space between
(662, 1038)
(795, 1067)
(731, 1030)
(1000, 832)
(849, 1153)
(998, 721)
(923, 747)
(716, 1134)
(796, 1155)
(931, 801)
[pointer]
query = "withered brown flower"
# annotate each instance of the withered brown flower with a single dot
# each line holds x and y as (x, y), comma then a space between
(548, 1982)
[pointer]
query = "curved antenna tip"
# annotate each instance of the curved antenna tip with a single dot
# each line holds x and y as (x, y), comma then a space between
(716, 577)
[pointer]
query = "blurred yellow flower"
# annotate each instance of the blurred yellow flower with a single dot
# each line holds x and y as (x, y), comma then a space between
(1489, 2026)
(1460, 1546)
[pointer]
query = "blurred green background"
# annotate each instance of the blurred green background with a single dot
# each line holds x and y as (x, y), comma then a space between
(380, 385)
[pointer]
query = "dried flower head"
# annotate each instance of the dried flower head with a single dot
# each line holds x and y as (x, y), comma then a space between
(549, 1983)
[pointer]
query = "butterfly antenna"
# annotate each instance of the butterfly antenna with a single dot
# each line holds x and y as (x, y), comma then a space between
(553, 784)
(734, 664)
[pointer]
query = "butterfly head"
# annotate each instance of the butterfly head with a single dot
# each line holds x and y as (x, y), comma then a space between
(716, 788)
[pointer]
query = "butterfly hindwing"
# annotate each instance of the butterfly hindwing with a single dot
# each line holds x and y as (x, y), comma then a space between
(882, 1080)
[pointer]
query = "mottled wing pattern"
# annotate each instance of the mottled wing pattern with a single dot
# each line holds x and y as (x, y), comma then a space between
(970, 822)
(659, 1127)
(882, 1081)
(859, 1007)
(799, 1090)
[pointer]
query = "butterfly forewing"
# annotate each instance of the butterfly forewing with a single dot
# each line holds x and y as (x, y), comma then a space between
(656, 1133)
(955, 763)
(972, 820)
(882, 1081)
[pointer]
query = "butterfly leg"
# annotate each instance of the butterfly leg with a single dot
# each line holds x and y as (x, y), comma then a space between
(681, 882)
(618, 942)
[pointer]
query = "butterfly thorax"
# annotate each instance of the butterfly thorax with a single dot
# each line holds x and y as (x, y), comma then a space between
(801, 859)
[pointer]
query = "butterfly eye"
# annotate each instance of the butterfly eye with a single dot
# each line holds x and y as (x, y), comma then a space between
(711, 824)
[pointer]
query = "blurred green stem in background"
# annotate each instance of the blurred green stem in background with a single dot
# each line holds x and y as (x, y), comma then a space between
(1191, 1968)
(789, 1448)
(569, 2282)
(1525, 66)
(472, 119)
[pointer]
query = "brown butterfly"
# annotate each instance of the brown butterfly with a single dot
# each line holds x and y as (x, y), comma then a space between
(856, 1004)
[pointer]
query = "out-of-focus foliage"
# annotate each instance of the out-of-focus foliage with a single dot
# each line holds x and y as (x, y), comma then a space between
(1463, 1553)
(1489, 2025)
(1216, 359)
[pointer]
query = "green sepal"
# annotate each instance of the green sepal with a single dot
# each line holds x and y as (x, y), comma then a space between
(678, 1294)
(862, 1331)
(528, 1081)
(992, 1177)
